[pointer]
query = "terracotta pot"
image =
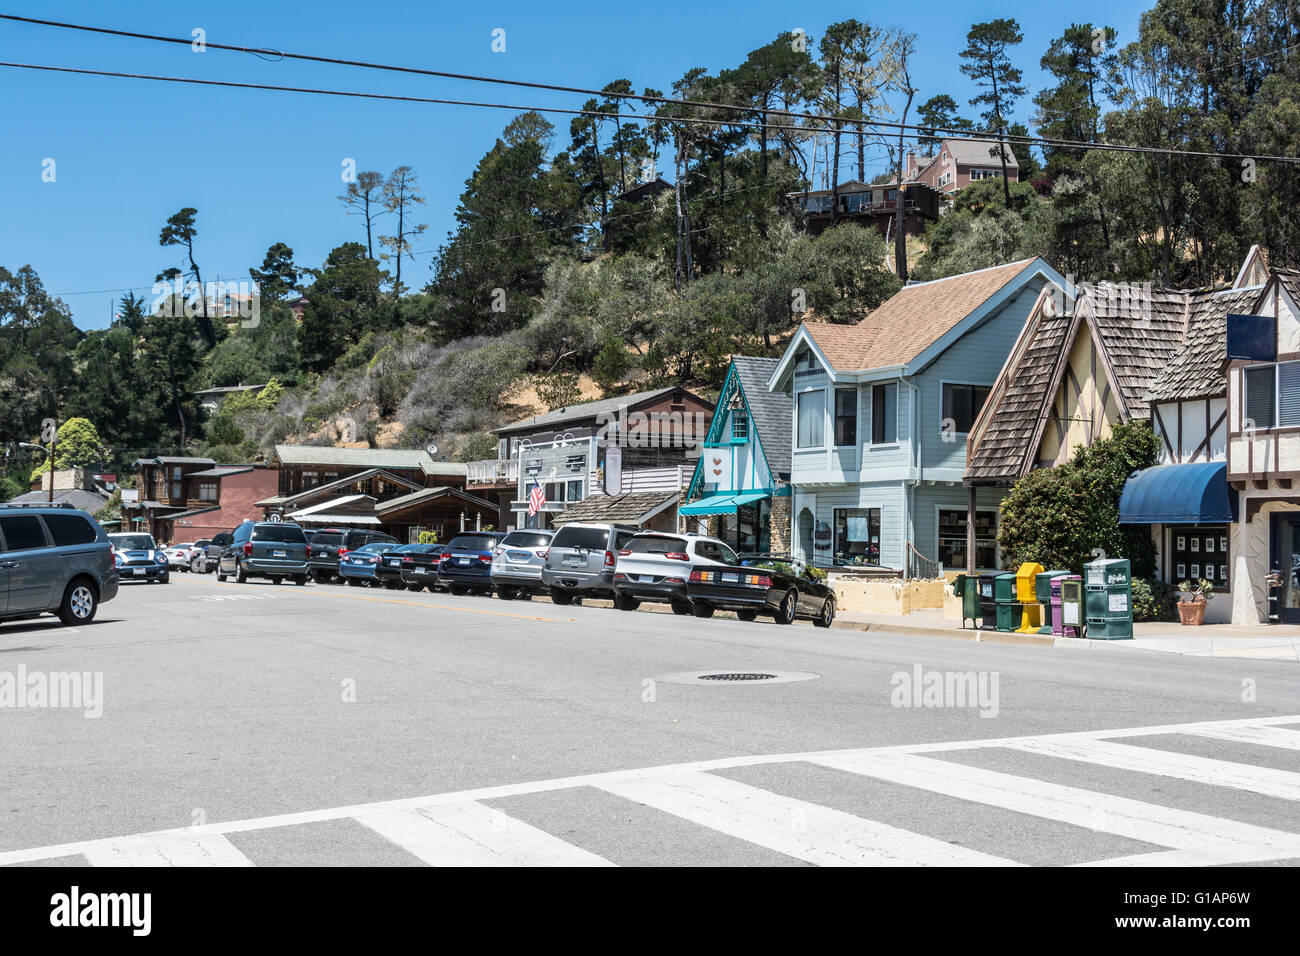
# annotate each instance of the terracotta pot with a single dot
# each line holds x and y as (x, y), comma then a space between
(1191, 612)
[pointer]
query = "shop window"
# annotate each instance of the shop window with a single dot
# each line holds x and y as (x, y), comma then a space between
(1200, 552)
(857, 535)
(952, 538)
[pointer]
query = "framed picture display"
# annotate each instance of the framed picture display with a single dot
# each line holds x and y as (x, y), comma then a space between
(1181, 543)
(1196, 572)
(1223, 543)
(1209, 545)
(1196, 545)
(1182, 572)
(1223, 573)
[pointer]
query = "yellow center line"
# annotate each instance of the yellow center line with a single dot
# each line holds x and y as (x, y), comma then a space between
(436, 607)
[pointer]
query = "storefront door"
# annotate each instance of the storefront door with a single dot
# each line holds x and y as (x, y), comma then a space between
(1284, 558)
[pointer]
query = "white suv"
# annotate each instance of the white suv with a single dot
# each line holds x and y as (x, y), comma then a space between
(656, 566)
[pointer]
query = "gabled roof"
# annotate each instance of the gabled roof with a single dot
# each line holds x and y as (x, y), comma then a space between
(769, 412)
(173, 460)
(316, 491)
(87, 501)
(979, 152)
(400, 458)
(1137, 340)
(589, 410)
(1289, 279)
(914, 321)
(634, 507)
(425, 495)
(341, 502)
(1197, 370)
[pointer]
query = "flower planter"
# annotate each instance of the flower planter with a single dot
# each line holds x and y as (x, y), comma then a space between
(1191, 612)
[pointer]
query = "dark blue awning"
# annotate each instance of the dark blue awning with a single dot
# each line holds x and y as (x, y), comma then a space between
(1197, 493)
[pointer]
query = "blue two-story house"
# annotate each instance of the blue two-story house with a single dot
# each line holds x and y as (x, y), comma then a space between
(881, 410)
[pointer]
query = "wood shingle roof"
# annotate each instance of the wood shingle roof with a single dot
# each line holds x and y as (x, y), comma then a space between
(1197, 370)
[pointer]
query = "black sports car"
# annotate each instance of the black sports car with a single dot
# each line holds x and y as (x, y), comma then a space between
(762, 584)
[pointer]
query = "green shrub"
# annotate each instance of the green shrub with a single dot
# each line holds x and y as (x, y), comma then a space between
(428, 537)
(1154, 600)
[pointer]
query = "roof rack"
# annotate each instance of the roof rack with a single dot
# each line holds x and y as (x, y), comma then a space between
(40, 504)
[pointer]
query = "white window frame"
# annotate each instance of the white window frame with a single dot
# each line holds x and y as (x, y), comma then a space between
(797, 396)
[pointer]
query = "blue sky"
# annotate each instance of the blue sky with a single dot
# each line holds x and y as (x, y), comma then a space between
(263, 167)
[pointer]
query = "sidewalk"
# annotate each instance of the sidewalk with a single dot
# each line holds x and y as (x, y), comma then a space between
(1279, 642)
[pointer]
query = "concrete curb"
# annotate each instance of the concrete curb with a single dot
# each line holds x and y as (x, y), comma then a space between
(974, 635)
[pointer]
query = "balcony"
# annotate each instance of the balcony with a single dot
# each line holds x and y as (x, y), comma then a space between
(492, 472)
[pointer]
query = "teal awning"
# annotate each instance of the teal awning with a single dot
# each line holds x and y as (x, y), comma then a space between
(1196, 493)
(723, 504)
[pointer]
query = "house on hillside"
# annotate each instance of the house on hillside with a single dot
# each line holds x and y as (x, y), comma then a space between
(740, 488)
(880, 415)
(183, 499)
(959, 162)
(869, 205)
(399, 491)
(596, 452)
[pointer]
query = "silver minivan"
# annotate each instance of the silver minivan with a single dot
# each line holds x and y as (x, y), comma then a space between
(54, 560)
(580, 560)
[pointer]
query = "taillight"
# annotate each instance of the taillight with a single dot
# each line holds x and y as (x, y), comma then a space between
(609, 559)
(485, 557)
(309, 551)
(248, 549)
(620, 576)
(760, 580)
(624, 552)
(544, 553)
(408, 560)
(677, 555)
(343, 552)
(699, 577)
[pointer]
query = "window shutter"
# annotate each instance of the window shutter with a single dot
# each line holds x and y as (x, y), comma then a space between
(1288, 393)
(1259, 396)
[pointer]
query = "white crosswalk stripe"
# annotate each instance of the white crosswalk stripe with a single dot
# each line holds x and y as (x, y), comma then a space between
(170, 848)
(1167, 763)
(1224, 841)
(462, 829)
(805, 831)
(470, 834)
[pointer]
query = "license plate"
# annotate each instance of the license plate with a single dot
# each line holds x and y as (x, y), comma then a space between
(395, 563)
(279, 554)
(730, 578)
(462, 560)
(575, 561)
(419, 570)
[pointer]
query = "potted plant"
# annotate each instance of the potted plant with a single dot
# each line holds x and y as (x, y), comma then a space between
(1193, 597)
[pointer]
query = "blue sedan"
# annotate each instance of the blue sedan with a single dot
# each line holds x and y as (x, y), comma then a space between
(361, 566)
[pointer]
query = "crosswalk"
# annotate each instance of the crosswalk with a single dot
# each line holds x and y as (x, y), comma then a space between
(480, 828)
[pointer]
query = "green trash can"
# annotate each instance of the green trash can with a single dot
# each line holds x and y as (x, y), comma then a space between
(967, 588)
(988, 602)
(1008, 608)
(1043, 591)
(1108, 599)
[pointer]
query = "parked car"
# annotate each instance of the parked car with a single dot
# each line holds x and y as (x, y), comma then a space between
(199, 556)
(180, 556)
(517, 563)
(362, 565)
(265, 549)
(654, 566)
(580, 560)
(54, 560)
(212, 554)
(467, 566)
(420, 566)
(766, 584)
(389, 569)
(331, 545)
(139, 558)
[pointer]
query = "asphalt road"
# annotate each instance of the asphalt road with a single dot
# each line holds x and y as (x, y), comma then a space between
(326, 725)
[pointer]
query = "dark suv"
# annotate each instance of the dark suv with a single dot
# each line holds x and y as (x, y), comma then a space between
(265, 549)
(330, 545)
(581, 558)
(212, 553)
(53, 560)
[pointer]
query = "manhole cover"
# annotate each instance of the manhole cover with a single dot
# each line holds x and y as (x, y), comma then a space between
(737, 677)
(719, 677)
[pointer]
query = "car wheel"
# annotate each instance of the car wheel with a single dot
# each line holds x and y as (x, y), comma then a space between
(353, 583)
(393, 585)
(507, 593)
(321, 577)
(702, 610)
(221, 578)
(680, 608)
(624, 602)
(300, 580)
(275, 580)
(415, 587)
(80, 601)
(240, 576)
(747, 615)
(786, 611)
(165, 579)
(827, 616)
(457, 589)
(561, 597)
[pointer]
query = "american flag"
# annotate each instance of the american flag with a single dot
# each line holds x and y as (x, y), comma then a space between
(536, 499)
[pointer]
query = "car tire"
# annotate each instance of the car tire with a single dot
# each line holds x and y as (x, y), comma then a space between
(393, 585)
(785, 613)
(165, 579)
(276, 580)
(625, 603)
(80, 602)
(415, 587)
(322, 577)
(221, 578)
(561, 597)
(827, 616)
(458, 590)
(747, 615)
(702, 610)
(240, 576)
(507, 593)
(353, 582)
(680, 608)
(300, 580)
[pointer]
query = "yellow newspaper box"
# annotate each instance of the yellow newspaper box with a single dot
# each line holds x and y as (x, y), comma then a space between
(1031, 612)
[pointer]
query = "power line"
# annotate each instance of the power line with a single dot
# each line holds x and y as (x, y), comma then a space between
(873, 122)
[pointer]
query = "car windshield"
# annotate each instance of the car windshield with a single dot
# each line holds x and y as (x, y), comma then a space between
(571, 537)
(376, 547)
(279, 532)
(527, 539)
(133, 542)
(326, 537)
(655, 544)
(473, 542)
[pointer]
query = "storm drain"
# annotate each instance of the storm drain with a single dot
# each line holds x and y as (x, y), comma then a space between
(737, 677)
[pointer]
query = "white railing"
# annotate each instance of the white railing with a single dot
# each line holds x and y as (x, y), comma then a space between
(492, 471)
